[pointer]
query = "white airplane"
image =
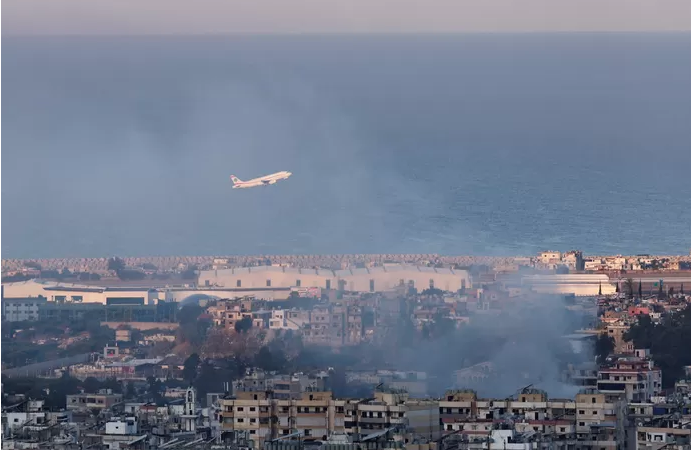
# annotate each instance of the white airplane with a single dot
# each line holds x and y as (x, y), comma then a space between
(261, 181)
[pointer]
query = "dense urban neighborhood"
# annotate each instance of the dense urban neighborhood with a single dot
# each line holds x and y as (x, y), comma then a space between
(555, 351)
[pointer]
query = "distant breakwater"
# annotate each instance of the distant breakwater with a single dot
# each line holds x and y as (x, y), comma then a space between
(171, 263)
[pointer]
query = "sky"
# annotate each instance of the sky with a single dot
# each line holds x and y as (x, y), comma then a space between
(179, 17)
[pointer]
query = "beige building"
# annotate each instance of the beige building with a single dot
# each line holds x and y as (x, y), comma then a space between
(316, 415)
(372, 279)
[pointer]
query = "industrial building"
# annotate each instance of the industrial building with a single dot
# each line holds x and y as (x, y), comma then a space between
(580, 284)
(380, 278)
(76, 293)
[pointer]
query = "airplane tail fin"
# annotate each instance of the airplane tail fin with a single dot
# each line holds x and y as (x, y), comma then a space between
(235, 179)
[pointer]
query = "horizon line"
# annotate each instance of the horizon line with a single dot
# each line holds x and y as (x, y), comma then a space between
(347, 33)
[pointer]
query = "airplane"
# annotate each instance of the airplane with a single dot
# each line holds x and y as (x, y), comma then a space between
(261, 181)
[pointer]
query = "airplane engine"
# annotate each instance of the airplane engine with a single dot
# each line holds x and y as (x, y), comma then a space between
(272, 182)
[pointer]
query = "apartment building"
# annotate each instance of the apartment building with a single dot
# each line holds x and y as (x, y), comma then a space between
(316, 415)
(102, 400)
(282, 387)
(632, 378)
(589, 420)
(227, 313)
(288, 319)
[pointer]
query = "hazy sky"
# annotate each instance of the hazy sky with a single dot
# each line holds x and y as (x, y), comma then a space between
(340, 16)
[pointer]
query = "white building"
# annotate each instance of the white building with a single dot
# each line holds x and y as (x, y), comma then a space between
(372, 279)
(126, 426)
(76, 293)
(577, 284)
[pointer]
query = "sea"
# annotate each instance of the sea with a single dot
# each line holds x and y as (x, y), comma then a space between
(482, 144)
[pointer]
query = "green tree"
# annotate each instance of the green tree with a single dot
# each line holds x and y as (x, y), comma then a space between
(270, 360)
(667, 341)
(189, 372)
(130, 391)
(604, 346)
(116, 264)
(629, 287)
(243, 325)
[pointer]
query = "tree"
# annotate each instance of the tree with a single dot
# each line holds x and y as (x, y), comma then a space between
(91, 385)
(270, 360)
(130, 392)
(604, 346)
(243, 325)
(189, 372)
(667, 341)
(116, 264)
(154, 389)
(640, 289)
(129, 274)
(629, 287)
(190, 273)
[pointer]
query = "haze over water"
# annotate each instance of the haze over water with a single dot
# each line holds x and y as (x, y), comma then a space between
(468, 144)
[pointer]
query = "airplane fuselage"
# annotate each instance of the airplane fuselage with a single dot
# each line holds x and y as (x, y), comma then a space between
(261, 181)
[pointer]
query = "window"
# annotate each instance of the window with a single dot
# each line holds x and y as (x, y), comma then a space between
(238, 283)
(253, 409)
(593, 399)
(240, 420)
(298, 283)
(268, 283)
(581, 412)
(240, 408)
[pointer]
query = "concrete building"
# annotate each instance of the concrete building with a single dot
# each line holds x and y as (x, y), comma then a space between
(104, 399)
(577, 284)
(21, 309)
(317, 415)
(588, 421)
(372, 279)
(632, 378)
(76, 293)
